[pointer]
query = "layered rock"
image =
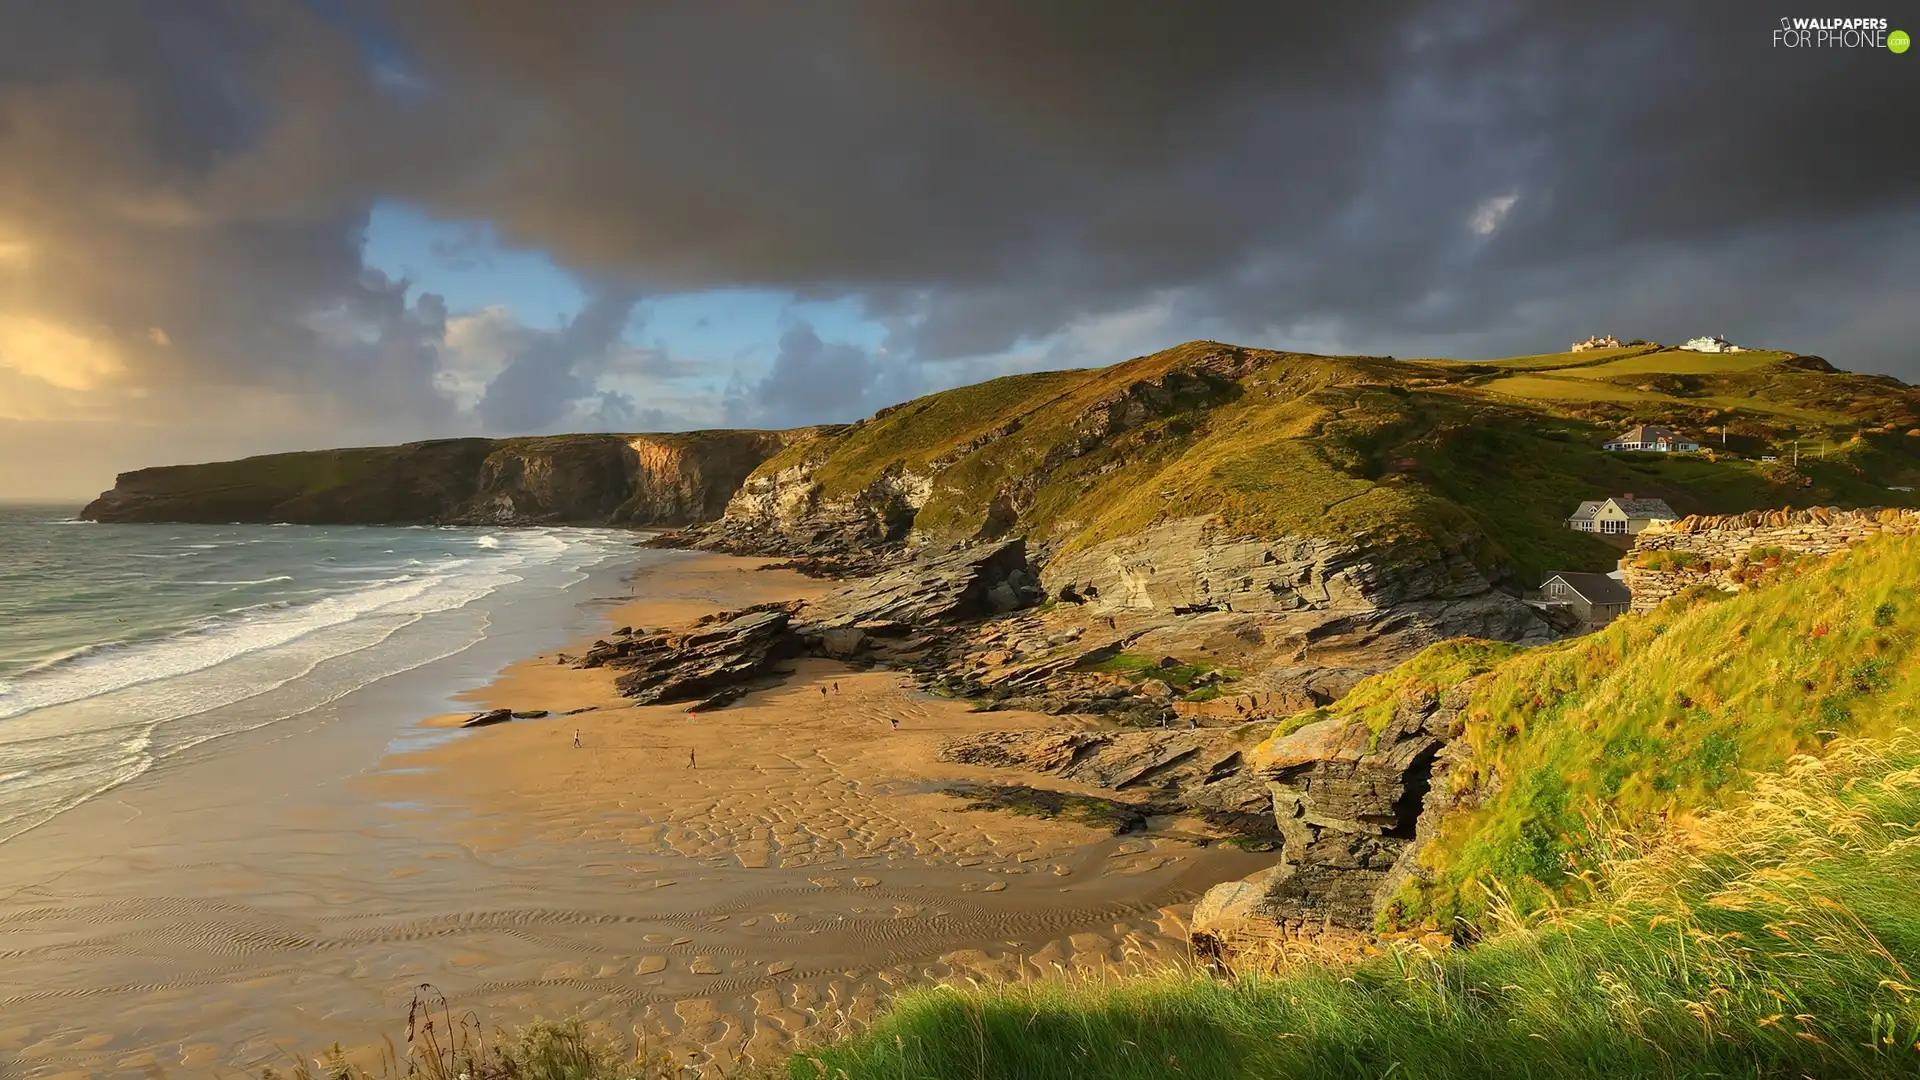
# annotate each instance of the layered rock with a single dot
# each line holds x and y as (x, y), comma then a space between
(970, 582)
(1203, 772)
(712, 662)
(1194, 565)
(720, 657)
(1352, 807)
(788, 512)
(639, 480)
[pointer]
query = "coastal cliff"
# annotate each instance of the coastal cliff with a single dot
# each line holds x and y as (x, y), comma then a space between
(644, 480)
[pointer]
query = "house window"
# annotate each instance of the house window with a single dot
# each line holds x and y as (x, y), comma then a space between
(1613, 526)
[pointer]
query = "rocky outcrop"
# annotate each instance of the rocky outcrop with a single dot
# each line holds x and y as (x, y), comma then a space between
(787, 512)
(712, 662)
(638, 480)
(1202, 772)
(720, 657)
(970, 582)
(1194, 564)
(1352, 807)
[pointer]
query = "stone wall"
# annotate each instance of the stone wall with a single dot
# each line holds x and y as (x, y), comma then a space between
(1721, 545)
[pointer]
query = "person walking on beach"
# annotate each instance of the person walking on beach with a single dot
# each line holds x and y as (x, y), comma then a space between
(576, 738)
(823, 691)
(690, 763)
(896, 722)
(836, 688)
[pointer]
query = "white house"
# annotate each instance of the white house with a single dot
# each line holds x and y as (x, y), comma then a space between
(1663, 440)
(1622, 515)
(1716, 343)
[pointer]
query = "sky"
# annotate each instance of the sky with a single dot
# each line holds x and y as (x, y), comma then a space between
(242, 226)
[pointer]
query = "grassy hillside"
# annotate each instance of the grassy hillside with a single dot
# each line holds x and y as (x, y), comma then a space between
(1777, 938)
(1653, 718)
(1377, 449)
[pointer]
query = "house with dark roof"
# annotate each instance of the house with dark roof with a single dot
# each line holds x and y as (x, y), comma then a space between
(1622, 515)
(1597, 599)
(1653, 437)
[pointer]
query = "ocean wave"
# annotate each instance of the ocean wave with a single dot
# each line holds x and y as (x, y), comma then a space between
(253, 581)
(106, 668)
(488, 541)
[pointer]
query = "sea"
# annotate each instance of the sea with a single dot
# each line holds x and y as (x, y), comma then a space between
(123, 646)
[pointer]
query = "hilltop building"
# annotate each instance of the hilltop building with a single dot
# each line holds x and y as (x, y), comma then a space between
(1663, 440)
(1597, 599)
(1716, 343)
(1622, 515)
(1608, 342)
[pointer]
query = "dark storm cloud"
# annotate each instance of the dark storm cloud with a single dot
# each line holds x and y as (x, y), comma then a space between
(1000, 169)
(1079, 180)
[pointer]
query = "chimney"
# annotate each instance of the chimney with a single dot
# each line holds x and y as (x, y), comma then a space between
(1627, 495)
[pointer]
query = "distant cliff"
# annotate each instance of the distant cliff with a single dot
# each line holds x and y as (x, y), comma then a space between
(664, 480)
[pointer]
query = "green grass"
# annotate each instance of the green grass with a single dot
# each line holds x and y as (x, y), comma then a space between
(1556, 361)
(1558, 387)
(1662, 715)
(1775, 939)
(1434, 670)
(1680, 361)
(1139, 667)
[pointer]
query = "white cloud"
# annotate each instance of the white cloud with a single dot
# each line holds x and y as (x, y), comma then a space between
(1490, 213)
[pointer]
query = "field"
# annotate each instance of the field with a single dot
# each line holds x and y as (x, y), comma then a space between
(1558, 387)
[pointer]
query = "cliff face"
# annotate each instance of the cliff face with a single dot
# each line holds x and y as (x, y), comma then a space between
(663, 480)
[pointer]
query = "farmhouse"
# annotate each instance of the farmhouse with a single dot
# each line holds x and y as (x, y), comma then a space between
(1716, 344)
(1622, 515)
(1597, 598)
(1661, 440)
(1595, 342)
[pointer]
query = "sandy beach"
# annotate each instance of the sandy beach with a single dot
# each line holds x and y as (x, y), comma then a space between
(715, 885)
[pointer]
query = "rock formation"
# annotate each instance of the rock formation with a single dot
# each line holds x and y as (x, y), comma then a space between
(719, 657)
(1352, 807)
(1201, 772)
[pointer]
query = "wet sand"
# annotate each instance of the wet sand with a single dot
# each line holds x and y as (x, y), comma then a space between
(799, 872)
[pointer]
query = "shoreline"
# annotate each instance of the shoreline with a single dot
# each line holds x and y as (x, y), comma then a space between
(290, 888)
